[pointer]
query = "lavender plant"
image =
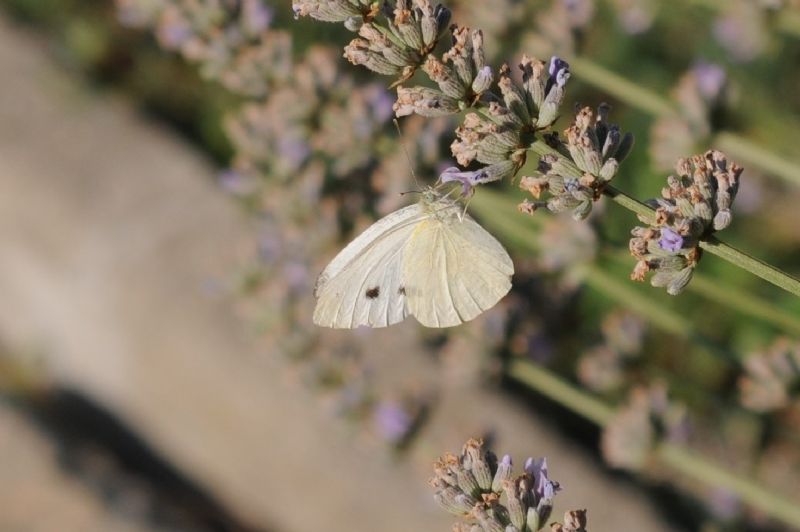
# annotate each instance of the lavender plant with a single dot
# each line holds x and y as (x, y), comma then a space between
(484, 492)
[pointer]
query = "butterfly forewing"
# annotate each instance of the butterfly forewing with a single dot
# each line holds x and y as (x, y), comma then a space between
(363, 284)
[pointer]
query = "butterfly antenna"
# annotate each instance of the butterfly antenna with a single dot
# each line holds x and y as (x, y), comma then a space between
(408, 156)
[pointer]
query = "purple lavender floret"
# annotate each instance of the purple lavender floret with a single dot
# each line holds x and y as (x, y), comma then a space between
(467, 179)
(559, 71)
(710, 79)
(257, 16)
(543, 487)
(392, 420)
(670, 240)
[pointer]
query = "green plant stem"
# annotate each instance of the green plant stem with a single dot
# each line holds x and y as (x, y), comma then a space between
(678, 458)
(713, 245)
(652, 103)
(755, 266)
(561, 391)
(745, 303)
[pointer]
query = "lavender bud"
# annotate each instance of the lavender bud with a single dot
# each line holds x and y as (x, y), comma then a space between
(448, 82)
(483, 81)
(544, 509)
(625, 147)
(671, 263)
(452, 500)
(428, 25)
(478, 52)
(662, 277)
(501, 170)
(465, 502)
(609, 170)
(442, 15)
(534, 79)
(680, 281)
(548, 112)
(326, 11)
(532, 520)
(575, 520)
(557, 65)
(514, 97)
(424, 102)
(611, 142)
(467, 482)
(516, 509)
(582, 210)
(474, 461)
(502, 474)
(408, 28)
(358, 52)
(722, 219)
(354, 23)
(488, 522)
(703, 210)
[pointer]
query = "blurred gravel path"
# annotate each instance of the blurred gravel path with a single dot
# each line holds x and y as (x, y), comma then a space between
(112, 231)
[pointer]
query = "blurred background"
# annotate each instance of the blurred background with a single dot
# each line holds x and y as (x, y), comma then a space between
(174, 175)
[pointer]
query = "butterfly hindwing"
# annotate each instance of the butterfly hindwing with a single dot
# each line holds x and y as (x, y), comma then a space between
(453, 270)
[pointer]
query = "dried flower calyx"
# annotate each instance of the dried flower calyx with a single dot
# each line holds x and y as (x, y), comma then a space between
(696, 203)
(574, 521)
(394, 38)
(484, 492)
(462, 76)
(335, 10)
(500, 134)
(596, 149)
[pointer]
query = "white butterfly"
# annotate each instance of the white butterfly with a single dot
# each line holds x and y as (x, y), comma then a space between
(429, 260)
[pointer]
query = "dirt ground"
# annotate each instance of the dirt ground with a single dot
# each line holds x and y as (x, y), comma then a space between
(114, 239)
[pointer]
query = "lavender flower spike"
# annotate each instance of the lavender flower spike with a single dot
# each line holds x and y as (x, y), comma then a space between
(670, 240)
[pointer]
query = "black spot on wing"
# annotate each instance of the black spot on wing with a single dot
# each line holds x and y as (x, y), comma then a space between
(401, 290)
(373, 292)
